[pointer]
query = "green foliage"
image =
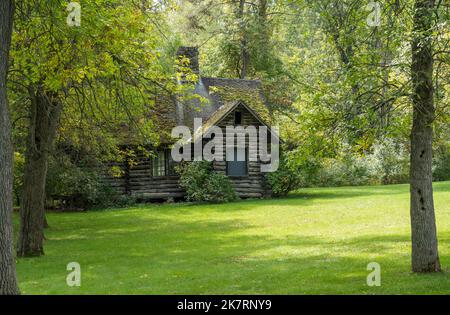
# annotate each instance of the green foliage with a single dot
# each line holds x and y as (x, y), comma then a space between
(285, 179)
(388, 163)
(78, 187)
(226, 30)
(104, 73)
(203, 184)
(441, 161)
(282, 182)
(334, 84)
(348, 171)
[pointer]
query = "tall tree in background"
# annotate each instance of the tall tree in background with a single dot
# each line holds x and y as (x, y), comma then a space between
(238, 33)
(8, 278)
(425, 257)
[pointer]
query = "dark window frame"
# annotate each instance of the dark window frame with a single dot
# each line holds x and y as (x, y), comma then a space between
(156, 164)
(169, 165)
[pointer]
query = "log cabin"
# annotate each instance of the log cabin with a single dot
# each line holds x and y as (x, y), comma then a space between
(221, 102)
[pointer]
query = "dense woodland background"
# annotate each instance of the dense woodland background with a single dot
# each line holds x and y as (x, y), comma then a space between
(341, 83)
(339, 88)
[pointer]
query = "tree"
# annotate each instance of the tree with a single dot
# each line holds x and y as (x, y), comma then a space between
(387, 78)
(45, 113)
(425, 257)
(8, 278)
(106, 67)
(238, 32)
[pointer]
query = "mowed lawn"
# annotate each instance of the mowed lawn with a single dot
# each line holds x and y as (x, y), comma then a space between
(317, 241)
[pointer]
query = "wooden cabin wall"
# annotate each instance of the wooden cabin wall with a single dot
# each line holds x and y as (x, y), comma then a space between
(138, 182)
(144, 186)
(253, 185)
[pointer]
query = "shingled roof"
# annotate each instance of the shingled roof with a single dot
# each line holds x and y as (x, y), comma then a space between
(211, 96)
(220, 91)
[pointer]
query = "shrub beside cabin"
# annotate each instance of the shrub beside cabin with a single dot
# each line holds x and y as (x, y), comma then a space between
(222, 102)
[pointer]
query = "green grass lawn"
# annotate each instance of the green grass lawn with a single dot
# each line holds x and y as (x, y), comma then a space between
(318, 241)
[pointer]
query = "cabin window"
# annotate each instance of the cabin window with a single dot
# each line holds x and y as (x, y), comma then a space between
(159, 164)
(163, 164)
(237, 167)
(237, 118)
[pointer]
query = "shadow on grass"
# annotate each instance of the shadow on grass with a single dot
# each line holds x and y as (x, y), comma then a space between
(185, 256)
(173, 249)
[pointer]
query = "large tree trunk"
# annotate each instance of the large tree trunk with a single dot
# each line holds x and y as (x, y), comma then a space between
(8, 278)
(425, 256)
(44, 122)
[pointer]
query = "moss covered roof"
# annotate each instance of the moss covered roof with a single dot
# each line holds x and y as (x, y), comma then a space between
(217, 95)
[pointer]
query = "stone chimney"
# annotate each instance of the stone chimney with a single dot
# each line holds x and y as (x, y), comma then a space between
(190, 53)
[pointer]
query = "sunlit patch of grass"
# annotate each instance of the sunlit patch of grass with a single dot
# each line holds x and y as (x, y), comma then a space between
(315, 241)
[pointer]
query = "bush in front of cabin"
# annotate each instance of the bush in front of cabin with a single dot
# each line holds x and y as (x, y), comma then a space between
(71, 186)
(284, 180)
(203, 184)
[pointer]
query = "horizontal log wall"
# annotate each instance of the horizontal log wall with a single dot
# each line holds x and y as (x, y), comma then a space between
(144, 185)
(137, 179)
(253, 185)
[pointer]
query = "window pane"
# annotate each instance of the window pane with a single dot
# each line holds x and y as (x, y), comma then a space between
(159, 164)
